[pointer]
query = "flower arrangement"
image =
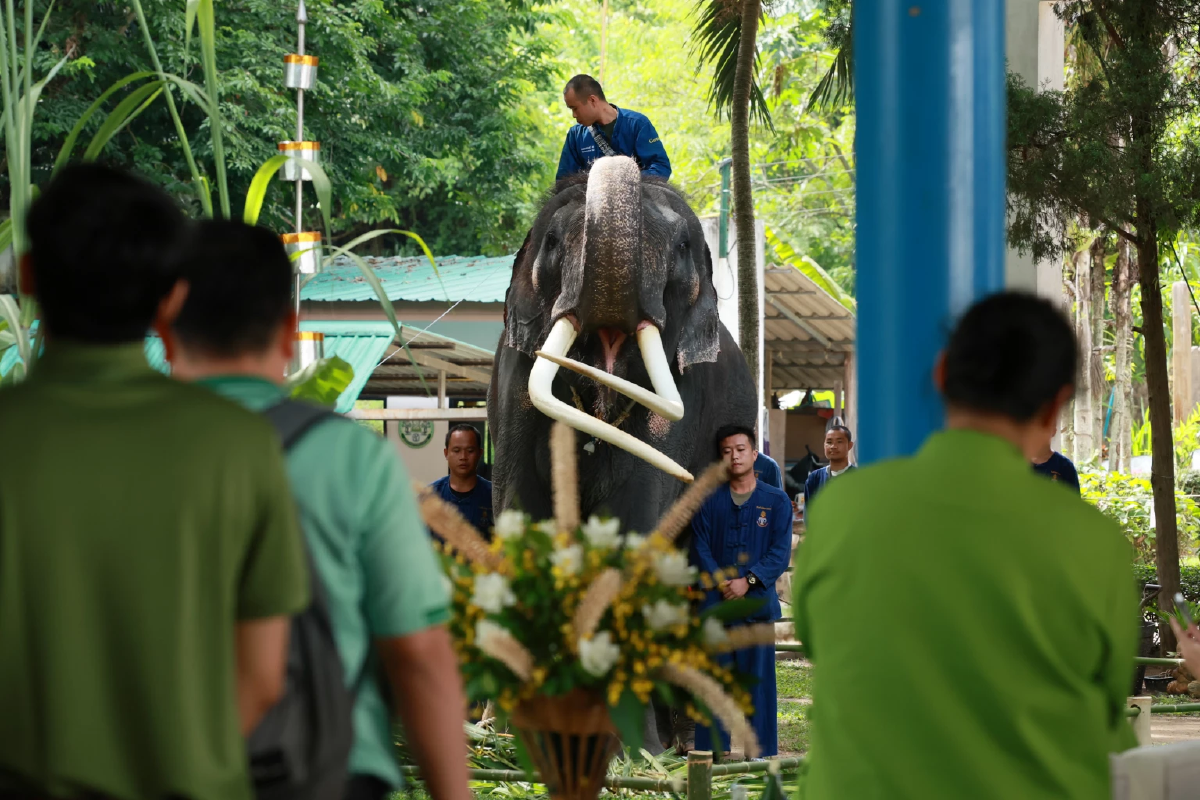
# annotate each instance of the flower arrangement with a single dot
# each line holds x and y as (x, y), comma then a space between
(553, 607)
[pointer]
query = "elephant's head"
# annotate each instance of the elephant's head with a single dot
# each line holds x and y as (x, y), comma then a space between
(614, 282)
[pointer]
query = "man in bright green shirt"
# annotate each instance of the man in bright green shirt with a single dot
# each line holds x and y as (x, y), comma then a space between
(149, 548)
(386, 590)
(972, 627)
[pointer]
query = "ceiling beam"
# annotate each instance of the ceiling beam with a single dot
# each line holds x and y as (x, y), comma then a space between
(450, 368)
(792, 316)
(784, 345)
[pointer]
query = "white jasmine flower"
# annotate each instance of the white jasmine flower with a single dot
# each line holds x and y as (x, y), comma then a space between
(568, 560)
(714, 633)
(548, 527)
(634, 541)
(673, 569)
(492, 593)
(598, 654)
(510, 524)
(664, 615)
(602, 533)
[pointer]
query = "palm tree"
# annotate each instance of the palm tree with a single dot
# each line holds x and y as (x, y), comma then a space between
(726, 38)
(836, 88)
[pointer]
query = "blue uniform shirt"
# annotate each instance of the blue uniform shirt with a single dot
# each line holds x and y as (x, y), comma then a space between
(755, 537)
(1059, 468)
(767, 469)
(475, 505)
(633, 135)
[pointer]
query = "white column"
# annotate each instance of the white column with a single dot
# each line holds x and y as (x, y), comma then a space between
(1035, 46)
(725, 282)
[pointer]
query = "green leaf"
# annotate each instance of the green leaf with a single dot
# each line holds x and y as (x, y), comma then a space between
(189, 16)
(64, 153)
(10, 312)
(257, 192)
(787, 256)
(203, 14)
(126, 111)
(324, 189)
(629, 715)
(322, 381)
(729, 610)
(6, 234)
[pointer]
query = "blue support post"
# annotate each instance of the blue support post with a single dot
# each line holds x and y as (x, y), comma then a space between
(930, 94)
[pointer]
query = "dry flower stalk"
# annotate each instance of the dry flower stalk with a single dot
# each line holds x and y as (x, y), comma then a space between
(444, 520)
(597, 599)
(745, 636)
(501, 646)
(723, 707)
(680, 514)
(564, 477)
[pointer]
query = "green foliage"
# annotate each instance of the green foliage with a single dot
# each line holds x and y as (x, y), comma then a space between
(1128, 501)
(1119, 146)
(715, 41)
(1189, 581)
(322, 381)
(420, 109)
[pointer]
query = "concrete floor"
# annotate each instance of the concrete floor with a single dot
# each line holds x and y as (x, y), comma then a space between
(1171, 728)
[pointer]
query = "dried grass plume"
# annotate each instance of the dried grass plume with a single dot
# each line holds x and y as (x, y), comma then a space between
(502, 646)
(596, 600)
(564, 477)
(444, 520)
(680, 514)
(723, 707)
(744, 636)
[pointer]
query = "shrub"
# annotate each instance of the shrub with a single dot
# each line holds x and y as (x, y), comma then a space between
(1128, 501)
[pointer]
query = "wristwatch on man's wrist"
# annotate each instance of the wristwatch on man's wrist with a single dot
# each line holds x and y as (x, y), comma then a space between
(752, 578)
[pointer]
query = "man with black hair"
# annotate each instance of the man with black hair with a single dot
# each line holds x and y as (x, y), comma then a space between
(743, 532)
(462, 487)
(605, 130)
(149, 549)
(1001, 609)
(838, 444)
(384, 588)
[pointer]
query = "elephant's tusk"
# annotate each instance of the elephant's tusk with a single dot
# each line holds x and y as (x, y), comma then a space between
(541, 392)
(671, 411)
(655, 359)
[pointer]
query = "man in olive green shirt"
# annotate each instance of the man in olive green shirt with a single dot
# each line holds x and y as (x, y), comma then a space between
(972, 627)
(387, 591)
(149, 548)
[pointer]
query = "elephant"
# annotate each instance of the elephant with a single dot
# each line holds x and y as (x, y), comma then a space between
(614, 284)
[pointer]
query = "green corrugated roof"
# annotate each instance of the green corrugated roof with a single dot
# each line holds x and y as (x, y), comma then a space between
(360, 344)
(478, 279)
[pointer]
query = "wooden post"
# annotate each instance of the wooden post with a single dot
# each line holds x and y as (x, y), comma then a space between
(1140, 723)
(442, 401)
(839, 410)
(1181, 350)
(699, 775)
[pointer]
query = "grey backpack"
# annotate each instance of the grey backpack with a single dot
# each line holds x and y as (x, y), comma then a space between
(301, 749)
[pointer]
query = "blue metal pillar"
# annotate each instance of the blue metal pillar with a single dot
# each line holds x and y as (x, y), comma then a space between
(929, 88)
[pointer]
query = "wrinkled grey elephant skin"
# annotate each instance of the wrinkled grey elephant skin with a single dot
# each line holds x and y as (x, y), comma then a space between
(643, 260)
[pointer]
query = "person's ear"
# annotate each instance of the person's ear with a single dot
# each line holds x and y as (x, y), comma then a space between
(169, 308)
(25, 282)
(1048, 417)
(287, 344)
(939, 373)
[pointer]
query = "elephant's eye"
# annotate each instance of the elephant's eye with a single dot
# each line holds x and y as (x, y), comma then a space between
(551, 241)
(683, 246)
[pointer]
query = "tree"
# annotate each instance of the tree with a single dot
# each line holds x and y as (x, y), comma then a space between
(420, 108)
(727, 38)
(1120, 149)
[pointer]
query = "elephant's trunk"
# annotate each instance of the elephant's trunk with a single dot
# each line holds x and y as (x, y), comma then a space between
(612, 247)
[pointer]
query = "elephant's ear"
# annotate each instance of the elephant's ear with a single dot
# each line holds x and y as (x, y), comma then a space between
(699, 340)
(523, 317)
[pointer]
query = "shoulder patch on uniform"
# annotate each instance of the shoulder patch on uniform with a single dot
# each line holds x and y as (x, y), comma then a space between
(655, 139)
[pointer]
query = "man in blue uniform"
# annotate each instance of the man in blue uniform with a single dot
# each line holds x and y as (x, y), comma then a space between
(838, 444)
(745, 527)
(605, 130)
(1055, 466)
(463, 488)
(766, 469)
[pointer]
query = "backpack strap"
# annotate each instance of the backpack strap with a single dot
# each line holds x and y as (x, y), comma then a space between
(295, 418)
